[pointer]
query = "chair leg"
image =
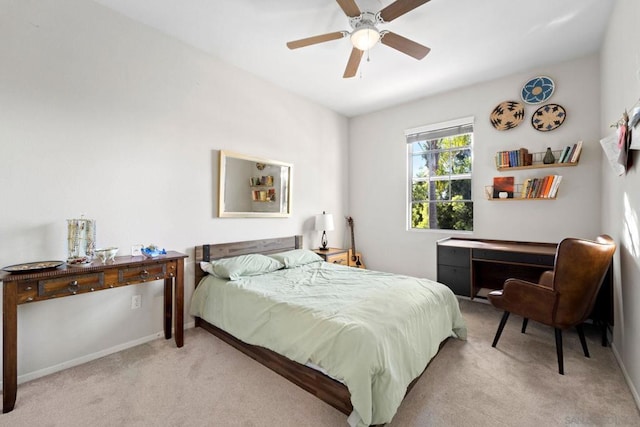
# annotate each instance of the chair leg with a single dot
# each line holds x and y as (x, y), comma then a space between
(582, 340)
(559, 351)
(503, 322)
(525, 322)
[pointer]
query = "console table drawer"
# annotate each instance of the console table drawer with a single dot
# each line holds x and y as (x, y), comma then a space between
(27, 292)
(519, 257)
(70, 285)
(146, 273)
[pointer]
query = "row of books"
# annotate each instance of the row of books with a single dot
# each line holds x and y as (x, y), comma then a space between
(541, 188)
(513, 158)
(570, 154)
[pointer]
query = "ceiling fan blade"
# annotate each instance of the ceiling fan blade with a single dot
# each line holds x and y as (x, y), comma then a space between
(404, 45)
(399, 8)
(349, 7)
(316, 39)
(353, 64)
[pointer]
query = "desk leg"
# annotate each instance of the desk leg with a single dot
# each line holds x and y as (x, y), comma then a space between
(179, 306)
(9, 346)
(168, 306)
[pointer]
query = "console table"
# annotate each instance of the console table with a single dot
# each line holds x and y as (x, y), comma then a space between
(474, 267)
(64, 281)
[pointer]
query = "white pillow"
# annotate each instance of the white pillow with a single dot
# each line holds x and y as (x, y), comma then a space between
(296, 257)
(241, 266)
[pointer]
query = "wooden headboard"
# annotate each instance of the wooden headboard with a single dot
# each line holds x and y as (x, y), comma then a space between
(225, 250)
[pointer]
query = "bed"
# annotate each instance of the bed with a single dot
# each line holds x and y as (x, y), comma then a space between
(357, 339)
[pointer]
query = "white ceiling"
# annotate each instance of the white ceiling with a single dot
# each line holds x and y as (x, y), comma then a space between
(470, 40)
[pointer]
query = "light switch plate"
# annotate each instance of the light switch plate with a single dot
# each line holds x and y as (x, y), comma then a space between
(136, 250)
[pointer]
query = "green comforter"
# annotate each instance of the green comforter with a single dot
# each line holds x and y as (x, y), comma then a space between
(373, 331)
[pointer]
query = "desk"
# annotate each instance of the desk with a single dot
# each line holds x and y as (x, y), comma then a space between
(474, 267)
(64, 281)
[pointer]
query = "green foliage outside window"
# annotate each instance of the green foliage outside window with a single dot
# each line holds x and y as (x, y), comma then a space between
(441, 184)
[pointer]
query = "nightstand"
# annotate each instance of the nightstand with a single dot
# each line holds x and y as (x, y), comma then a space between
(334, 255)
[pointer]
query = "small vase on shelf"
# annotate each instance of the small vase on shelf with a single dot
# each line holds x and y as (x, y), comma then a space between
(548, 157)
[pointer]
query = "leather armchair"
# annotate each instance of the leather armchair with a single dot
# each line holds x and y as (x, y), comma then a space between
(563, 297)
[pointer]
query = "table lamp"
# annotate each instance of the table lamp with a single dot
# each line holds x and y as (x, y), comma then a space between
(324, 222)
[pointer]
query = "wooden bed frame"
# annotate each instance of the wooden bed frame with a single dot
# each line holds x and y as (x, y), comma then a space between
(325, 388)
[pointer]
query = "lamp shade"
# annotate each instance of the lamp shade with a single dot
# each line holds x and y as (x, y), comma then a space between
(324, 222)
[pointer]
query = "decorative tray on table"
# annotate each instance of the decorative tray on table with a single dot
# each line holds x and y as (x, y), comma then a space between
(33, 266)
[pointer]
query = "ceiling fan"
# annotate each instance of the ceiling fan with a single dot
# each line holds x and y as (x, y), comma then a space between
(365, 35)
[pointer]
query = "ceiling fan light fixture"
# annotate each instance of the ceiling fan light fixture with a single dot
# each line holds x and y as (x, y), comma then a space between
(365, 37)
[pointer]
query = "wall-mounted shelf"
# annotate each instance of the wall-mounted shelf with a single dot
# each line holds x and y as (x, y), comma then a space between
(537, 166)
(544, 188)
(522, 159)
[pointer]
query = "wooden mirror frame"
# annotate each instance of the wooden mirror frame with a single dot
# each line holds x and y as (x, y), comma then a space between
(281, 185)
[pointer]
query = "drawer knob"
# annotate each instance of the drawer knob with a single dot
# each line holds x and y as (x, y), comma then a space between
(73, 287)
(111, 286)
(144, 274)
(29, 299)
(28, 288)
(92, 289)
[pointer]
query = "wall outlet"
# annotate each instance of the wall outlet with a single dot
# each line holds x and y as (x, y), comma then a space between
(136, 301)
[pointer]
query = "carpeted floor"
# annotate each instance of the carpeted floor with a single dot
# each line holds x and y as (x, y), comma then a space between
(208, 383)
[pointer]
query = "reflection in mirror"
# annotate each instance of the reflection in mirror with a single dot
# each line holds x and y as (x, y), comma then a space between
(253, 187)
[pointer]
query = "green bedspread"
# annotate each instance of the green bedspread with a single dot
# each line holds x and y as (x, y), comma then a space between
(373, 331)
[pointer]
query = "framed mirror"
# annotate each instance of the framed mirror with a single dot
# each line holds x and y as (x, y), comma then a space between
(253, 187)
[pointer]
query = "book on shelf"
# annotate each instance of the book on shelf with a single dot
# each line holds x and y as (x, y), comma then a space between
(503, 184)
(525, 188)
(576, 153)
(554, 186)
(570, 153)
(544, 188)
(564, 155)
(532, 188)
(539, 189)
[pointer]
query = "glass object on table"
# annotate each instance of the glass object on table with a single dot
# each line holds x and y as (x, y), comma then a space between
(81, 240)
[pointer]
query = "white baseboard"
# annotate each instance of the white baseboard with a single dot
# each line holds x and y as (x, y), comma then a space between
(627, 378)
(93, 356)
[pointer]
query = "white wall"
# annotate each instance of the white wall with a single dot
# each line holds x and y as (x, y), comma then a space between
(378, 168)
(620, 86)
(103, 116)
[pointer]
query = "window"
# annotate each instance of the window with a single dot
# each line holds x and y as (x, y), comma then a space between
(440, 176)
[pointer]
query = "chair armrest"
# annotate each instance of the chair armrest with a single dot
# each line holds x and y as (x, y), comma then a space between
(530, 300)
(546, 279)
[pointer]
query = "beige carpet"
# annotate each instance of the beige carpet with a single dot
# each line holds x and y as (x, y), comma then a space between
(208, 383)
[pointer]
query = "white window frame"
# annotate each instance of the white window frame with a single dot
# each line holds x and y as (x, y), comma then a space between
(410, 180)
